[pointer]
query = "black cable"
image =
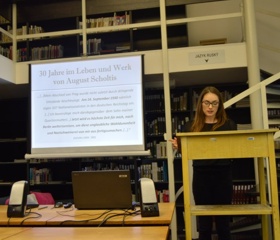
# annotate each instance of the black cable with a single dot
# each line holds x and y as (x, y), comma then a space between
(125, 214)
(38, 216)
(26, 214)
(86, 220)
(108, 214)
(108, 217)
(136, 212)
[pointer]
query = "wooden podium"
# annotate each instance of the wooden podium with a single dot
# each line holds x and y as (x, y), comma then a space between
(233, 144)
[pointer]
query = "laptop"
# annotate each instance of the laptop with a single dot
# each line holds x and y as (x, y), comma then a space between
(104, 189)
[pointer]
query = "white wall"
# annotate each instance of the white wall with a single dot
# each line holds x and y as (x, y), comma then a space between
(267, 23)
(7, 70)
(230, 28)
(268, 31)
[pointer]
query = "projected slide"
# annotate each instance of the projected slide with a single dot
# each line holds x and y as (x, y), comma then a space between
(90, 105)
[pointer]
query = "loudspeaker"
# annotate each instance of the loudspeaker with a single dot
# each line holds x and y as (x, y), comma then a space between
(18, 198)
(148, 198)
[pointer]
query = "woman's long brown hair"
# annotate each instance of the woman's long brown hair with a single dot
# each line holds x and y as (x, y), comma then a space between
(199, 119)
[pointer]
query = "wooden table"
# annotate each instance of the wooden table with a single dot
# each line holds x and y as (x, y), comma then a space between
(6, 232)
(68, 233)
(233, 144)
(72, 217)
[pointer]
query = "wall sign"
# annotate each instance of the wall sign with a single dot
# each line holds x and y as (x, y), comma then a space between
(207, 57)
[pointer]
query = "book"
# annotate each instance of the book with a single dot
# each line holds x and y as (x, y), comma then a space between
(155, 171)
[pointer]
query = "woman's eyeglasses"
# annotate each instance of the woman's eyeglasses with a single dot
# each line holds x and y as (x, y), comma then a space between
(207, 103)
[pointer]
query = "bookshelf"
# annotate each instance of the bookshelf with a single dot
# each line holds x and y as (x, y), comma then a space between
(243, 171)
(117, 31)
(54, 176)
(13, 141)
(273, 105)
(157, 29)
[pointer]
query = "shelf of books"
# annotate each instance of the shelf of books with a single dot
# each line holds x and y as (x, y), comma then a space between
(131, 27)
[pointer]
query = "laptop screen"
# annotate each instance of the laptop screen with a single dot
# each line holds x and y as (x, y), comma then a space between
(104, 189)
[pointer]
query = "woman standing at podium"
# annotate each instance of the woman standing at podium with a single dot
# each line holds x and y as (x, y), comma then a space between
(212, 179)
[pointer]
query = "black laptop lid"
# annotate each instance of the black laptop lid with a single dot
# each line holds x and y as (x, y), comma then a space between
(105, 189)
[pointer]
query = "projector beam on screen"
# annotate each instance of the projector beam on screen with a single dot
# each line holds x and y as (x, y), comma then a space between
(87, 107)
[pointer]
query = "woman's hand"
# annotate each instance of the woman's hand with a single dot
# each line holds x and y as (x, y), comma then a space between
(174, 143)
